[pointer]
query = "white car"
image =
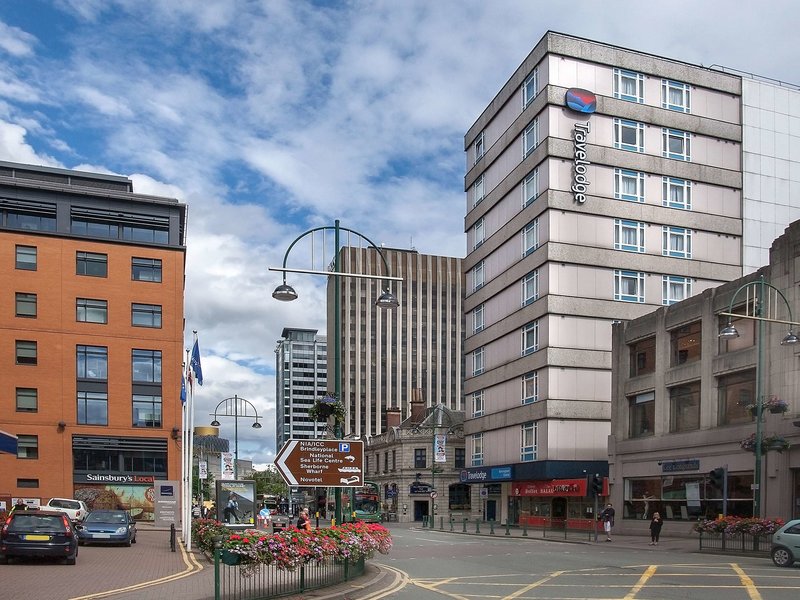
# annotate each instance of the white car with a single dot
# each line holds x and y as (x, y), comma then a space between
(76, 510)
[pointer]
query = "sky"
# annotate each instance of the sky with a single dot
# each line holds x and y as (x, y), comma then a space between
(272, 117)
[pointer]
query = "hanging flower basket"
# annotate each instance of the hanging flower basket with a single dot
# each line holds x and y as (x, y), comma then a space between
(326, 407)
(774, 443)
(753, 409)
(775, 405)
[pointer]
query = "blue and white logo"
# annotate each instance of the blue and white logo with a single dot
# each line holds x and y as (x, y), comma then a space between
(344, 447)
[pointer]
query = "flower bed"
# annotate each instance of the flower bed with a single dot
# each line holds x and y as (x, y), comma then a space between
(733, 525)
(291, 548)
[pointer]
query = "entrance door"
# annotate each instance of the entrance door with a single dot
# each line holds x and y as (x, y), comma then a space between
(491, 510)
(559, 511)
(420, 509)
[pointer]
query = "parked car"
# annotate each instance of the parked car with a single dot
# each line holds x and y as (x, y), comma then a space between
(38, 533)
(786, 544)
(107, 527)
(76, 509)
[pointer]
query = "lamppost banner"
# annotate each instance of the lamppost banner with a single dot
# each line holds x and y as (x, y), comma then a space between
(439, 454)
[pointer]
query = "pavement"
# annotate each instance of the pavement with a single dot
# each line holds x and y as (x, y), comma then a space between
(189, 575)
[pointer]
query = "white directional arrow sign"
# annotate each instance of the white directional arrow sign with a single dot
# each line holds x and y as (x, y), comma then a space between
(321, 463)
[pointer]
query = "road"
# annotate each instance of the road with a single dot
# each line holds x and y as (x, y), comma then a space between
(441, 565)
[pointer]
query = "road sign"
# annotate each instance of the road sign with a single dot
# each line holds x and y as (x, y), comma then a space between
(434, 494)
(326, 463)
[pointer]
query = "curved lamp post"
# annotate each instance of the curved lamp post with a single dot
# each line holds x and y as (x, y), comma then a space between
(761, 306)
(238, 408)
(387, 300)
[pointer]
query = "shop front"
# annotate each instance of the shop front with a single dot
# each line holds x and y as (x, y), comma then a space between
(555, 504)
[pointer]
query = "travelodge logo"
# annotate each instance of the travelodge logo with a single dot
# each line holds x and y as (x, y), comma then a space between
(580, 100)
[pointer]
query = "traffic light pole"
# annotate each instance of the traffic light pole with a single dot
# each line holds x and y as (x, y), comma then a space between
(725, 491)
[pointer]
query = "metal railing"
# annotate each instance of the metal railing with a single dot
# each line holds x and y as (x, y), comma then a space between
(270, 582)
(736, 543)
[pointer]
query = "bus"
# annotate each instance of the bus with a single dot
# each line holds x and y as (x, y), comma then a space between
(363, 502)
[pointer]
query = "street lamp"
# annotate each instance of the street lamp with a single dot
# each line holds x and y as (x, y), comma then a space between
(286, 293)
(761, 306)
(237, 408)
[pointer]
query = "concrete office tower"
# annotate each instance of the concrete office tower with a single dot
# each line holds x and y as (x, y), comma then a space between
(388, 356)
(300, 378)
(91, 336)
(603, 183)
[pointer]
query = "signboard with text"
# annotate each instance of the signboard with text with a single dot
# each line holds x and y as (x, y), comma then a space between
(328, 463)
(555, 487)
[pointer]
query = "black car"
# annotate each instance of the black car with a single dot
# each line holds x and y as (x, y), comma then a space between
(107, 527)
(38, 533)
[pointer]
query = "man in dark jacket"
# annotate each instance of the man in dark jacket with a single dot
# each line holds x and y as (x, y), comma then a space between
(607, 517)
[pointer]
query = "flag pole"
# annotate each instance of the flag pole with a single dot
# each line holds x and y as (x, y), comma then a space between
(184, 445)
(190, 459)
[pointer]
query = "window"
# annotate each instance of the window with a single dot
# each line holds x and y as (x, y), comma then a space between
(527, 445)
(685, 343)
(628, 286)
(628, 235)
(530, 188)
(676, 242)
(643, 357)
(420, 458)
(92, 362)
(675, 289)
(477, 450)
(39, 219)
(460, 458)
(478, 146)
(146, 315)
(146, 366)
(676, 144)
(478, 276)
(530, 237)
(146, 410)
(737, 393)
(26, 258)
(746, 329)
(92, 408)
(146, 269)
(478, 190)
(25, 305)
(477, 319)
(26, 352)
(477, 403)
(27, 400)
(479, 232)
(628, 85)
(628, 185)
(676, 193)
(27, 446)
(530, 387)
(628, 135)
(642, 413)
(477, 361)
(675, 96)
(530, 287)
(530, 137)
(27, 483)
(92, 311)
(530, 87)
(92, 264)
(530, 337)
(684, 407)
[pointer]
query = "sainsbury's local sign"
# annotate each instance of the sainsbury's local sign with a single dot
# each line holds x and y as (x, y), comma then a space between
(582, 101)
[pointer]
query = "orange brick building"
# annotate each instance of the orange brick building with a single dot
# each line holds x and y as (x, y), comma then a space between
(91, 337)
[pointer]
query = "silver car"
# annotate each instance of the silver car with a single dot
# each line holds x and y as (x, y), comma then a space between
(786, 544)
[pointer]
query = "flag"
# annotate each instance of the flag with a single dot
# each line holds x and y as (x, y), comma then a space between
(183, 388)
(195, 363)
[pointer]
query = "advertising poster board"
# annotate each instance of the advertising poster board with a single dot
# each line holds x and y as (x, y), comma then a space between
(236, 501)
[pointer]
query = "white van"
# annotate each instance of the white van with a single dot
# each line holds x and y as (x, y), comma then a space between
(75, 509)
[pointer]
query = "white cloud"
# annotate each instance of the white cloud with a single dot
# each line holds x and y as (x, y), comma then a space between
(15, 41)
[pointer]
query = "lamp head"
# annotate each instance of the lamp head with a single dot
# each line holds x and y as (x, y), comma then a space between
(256, 425)
(387, 301)
(729, 331)
(215, 423)
(284, 293)
(790, 339)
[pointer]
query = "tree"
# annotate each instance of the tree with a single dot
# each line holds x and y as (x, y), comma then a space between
(269, 481)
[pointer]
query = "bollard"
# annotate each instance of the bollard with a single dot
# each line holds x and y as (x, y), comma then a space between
(525, 529)
(451, 522)
(491, 527)
(441, 523)
(172, 543)
(508, 527)
(465, 524)
(477, 525)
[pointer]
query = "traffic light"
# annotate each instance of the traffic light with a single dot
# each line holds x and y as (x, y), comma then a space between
(597, 485)
(717, 477)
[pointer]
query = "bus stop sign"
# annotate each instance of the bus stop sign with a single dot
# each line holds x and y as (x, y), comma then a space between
(325, 463)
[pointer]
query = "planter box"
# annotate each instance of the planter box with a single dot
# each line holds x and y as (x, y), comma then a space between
(230, 558)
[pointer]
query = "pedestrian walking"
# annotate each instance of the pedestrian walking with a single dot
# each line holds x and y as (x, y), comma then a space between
(303, 522)
(655, 528)
(607, 516)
